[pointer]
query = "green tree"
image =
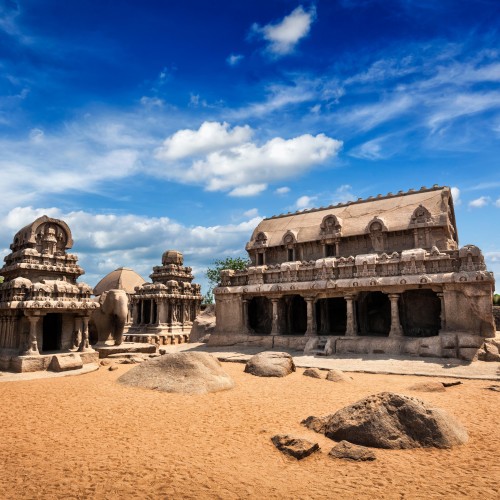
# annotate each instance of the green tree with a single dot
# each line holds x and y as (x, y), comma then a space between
(213, 273)
(1, 279)
(496, 299)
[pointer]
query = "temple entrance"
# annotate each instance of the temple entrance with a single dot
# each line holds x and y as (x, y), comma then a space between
(51, 333)
(331, 316)
(146, 311)
(420, 312)
(294, 314)
(374, 314)
(260, 312)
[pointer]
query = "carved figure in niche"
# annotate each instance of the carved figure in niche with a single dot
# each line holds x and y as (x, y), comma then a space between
(377, 236)
(421, 215)
(330, 226)
(261, 239)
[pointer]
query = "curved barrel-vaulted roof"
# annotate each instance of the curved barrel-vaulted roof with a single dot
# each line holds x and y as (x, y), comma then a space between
(396, 212)
(122, 278)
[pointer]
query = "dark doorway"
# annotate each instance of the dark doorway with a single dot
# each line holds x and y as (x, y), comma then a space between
(420, 312)
(374, 314)
(294, 313)
(260, 311)
(52, 330)
(146, 311)
(331, 316)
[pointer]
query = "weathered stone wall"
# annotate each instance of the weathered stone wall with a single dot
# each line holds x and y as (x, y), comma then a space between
(496, 315)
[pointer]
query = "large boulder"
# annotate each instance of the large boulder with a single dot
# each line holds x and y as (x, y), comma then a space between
(183, 372)
(392, 421)
(270, 364)
(203, 325)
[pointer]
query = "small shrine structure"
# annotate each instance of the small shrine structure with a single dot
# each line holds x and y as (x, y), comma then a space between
(163, 311)
(382, 275)
(44, 312)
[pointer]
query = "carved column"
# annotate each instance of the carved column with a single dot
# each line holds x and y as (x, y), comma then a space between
(32, 347)
(2, 331)
(161, 312)
(337, 249)
(84, 346)
(244, 314)
(396, 329)
(77, 329)
(351, 329)
(415, 238)
(311, 323)
(151, 311)
(443, 312)
(142, 312)
(135, 313)
(275, 322)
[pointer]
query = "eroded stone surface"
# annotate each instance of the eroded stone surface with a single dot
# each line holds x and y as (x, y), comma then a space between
(270, 364)
(428, 387)
(349, 451)
(184, 372)
(338, 376)
(394, 421)
(313, 373)
(295, 447)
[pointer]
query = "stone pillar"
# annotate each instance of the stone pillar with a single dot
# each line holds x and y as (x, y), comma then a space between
(443, 312)
(151, 312)
(77, 332)
(396, 329)
(351, 328)
(324, 250)
(161, 312)
(2, 331)
(275, 323)
(311, 320)
(244, 314)
(415, 238)
(135, 313)
(142, 312)
(337, 249)
(84, 346)
(32, 347)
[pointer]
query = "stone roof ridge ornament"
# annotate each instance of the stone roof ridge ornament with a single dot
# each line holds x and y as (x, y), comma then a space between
(411, 191)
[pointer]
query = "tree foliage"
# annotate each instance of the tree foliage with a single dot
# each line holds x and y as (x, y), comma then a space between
(496, 299)
(213, 273)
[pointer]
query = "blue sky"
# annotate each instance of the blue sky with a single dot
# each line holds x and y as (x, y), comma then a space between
(157, 125)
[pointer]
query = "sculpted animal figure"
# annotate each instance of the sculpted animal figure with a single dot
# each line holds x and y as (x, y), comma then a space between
(110, 318)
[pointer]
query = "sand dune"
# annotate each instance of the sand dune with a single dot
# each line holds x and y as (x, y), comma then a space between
(90, 437)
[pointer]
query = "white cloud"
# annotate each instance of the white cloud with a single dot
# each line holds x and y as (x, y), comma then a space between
(283, 36)
(497, 203)
(248, 190)
(151, 102)
(370, 150)
(480, 202)
(253, 212)
(211, 136)
(305, 202)
(234, 59)
(343, 194)
(282, 190)
(233, 163)
(104, 242)
(455, 193)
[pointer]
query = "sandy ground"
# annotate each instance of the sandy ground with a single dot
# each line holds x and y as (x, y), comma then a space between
(89, 437)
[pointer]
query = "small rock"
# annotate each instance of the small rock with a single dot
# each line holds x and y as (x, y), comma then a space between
(317, 424)
(295, 447)
(312, 372)
(338, 376)
(495, 388)
(105, 362)
(428, 387)
(451, 384)
(349, 451)
(155, 355)
(112, 368)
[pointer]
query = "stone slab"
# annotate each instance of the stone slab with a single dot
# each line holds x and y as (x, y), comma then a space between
(125, 347)
(65, 362)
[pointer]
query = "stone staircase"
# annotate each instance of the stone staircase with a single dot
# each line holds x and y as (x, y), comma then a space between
(320, 348)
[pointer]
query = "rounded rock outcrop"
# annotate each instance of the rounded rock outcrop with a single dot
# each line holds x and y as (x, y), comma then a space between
(270, 364)
(183, 372)
(391, 421)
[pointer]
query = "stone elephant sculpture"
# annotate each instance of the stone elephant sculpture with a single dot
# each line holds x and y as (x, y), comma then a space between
(109, 320)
